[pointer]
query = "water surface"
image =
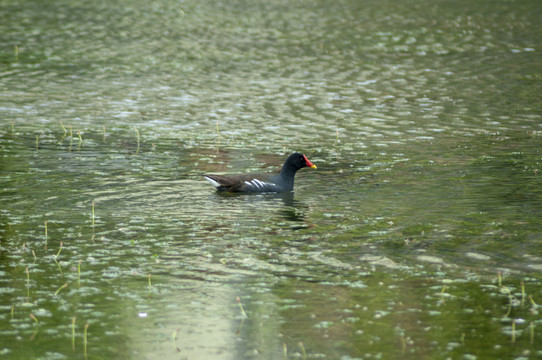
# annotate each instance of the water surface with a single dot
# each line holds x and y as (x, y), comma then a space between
(418, 236)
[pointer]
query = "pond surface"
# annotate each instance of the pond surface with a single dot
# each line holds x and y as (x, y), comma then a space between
(418, 236)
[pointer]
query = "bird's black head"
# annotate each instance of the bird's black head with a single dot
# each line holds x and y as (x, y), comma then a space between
(298, 161)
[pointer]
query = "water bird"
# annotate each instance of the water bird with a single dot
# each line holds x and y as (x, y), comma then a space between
(262, 183)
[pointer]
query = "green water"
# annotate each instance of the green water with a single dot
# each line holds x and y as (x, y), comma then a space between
(417, 237)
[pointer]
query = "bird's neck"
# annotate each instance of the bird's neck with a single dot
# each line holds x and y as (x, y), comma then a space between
(288, 172)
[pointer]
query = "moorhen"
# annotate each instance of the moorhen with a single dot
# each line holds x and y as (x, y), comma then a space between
(284, 181)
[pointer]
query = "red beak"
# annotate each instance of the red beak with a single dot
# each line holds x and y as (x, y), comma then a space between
(309, 163)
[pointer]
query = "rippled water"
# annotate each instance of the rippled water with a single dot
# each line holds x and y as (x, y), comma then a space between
(418, 236)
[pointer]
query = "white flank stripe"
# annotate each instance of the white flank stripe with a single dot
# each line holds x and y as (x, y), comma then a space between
(258, 183)
(253, 185)
(213, 182)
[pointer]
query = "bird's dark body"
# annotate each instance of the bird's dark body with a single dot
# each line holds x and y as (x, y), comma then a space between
(262, 183)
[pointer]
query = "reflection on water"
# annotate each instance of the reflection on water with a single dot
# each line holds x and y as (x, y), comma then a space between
(418, 235)
(286, 205)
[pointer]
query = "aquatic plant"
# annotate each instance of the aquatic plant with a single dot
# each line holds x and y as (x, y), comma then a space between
(522, 292)
(33, 317)
(243, 313)
(79, 273)
(60, 288)
(303, 352)
(80, 140)
(27, 285)
(85, 340)
(217, 137)
(174, 338)
(59, 250)
(63, 128)
(73, 333)
(71, 137)
(93, 214)
(45, 234)
(137, 135)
